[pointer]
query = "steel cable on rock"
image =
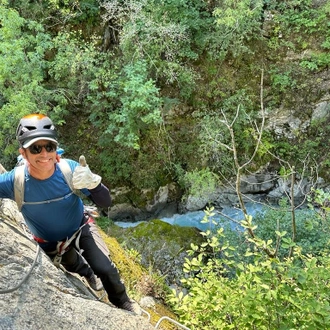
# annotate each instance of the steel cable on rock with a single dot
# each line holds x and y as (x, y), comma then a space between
(28, 273)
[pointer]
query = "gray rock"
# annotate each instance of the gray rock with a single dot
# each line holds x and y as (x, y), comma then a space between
(127, 213)
(48, 299)
(321, 111)
(257, 183)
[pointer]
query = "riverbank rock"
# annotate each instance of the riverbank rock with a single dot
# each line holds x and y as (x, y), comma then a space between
(263, 188)
(164, 203)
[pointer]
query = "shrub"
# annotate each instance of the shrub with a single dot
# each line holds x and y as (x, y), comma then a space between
(252, 291)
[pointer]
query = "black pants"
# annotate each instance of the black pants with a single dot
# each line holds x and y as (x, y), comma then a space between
(96, 255)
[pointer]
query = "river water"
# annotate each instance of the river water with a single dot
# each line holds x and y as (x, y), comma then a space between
(193, 219)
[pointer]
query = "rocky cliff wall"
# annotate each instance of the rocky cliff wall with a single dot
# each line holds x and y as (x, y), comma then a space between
(49, 298)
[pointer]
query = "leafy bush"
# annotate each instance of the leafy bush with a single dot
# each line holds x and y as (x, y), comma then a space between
(200, 183)
(230, 290)
(237, 22)
(312, 231)
(140, 106)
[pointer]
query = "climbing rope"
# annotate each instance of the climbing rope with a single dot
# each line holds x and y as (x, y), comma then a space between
(26, 276)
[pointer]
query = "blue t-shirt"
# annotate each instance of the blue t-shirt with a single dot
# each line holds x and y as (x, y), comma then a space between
(51, 211)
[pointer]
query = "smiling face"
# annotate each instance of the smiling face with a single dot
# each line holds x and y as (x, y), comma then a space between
(40, 165)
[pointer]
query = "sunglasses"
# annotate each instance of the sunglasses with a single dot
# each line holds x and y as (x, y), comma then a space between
(36, 148)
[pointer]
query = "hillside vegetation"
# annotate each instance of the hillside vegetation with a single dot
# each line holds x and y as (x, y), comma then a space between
(141, 87)
(161, 91)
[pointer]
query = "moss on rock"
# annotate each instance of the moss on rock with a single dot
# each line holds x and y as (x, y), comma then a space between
(161, 247)
(138, 280)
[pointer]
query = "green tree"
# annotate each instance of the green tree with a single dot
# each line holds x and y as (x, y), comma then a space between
(140, 106)
(237, 22)
(168, 35)
(22, 67)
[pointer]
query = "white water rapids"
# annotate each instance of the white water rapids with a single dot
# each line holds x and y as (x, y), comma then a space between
(193, 219)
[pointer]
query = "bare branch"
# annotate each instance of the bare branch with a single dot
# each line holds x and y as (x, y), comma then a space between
(261, 129)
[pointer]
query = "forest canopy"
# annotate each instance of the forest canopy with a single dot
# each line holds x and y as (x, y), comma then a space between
(139, 86)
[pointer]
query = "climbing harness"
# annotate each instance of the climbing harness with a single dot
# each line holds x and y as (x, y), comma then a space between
(63, 246)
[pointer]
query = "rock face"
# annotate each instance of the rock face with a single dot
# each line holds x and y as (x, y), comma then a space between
(49, 298)
(258, 187)
(163, 204)
(264, 185)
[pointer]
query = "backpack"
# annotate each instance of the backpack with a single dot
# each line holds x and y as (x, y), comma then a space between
(19, 181)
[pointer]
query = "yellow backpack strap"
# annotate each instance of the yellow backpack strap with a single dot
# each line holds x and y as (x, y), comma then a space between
(19, 178)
